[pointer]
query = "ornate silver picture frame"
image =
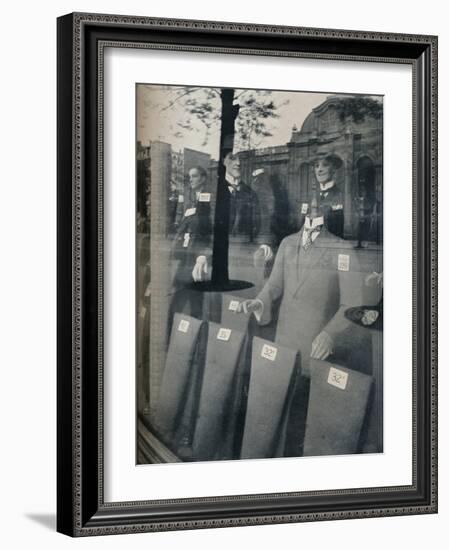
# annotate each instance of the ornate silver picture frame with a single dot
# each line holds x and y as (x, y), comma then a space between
(168, 432)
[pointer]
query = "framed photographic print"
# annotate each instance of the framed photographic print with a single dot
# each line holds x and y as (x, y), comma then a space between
(247, 287)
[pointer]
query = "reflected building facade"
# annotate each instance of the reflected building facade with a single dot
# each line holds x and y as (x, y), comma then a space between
(358, 143)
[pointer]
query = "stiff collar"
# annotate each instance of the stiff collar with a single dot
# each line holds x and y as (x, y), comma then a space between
(326, 186)
(232, 182)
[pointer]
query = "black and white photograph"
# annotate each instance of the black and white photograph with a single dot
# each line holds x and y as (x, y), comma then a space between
(222, 286)
(259, 273)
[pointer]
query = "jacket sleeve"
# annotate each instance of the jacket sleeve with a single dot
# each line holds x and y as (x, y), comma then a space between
(351, 294)
(274, 287)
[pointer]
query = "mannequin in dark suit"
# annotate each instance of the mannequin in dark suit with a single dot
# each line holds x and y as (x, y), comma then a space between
(245, 222)
(331, 195)
(192, 245)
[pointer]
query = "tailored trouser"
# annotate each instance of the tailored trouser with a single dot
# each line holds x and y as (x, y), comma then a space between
(337, 407)
(217, 394)
(177, 374)
(273, 375)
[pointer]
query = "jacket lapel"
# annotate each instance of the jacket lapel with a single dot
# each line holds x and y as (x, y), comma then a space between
(306, 260)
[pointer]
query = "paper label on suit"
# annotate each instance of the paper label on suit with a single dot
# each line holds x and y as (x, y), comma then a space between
(181, 199)
(337, 207)
(142, 312)
(337, 378)
(343, 262)
(189, 212)
(224, 334)
(233, 305)
(304, 208)
(204, 197)
(269, 352)
(183, 325)
(148, 291)
(186, 241)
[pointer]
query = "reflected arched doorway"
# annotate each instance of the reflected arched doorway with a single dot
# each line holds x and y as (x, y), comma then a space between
(366, 179)
(369, 208)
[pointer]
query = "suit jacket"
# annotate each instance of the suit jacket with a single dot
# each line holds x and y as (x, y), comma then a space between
(244, 229)
(331, 202)
(315, 287)
(244, 215)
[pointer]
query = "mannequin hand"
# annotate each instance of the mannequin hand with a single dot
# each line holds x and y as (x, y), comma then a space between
(262, 255)
(322, 346)
(250, 306)
(374, 279)
(200, 269)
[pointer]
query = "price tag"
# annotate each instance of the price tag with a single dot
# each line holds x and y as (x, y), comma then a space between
(233, 305)
(224, 334)
(337, 378)
(343, 262)
(189, 212)
(183, 325)
(204, 197)
(181, 199)
(269, 352)
(186, 241)
(304, 208)
(148, 291)
(142, 312)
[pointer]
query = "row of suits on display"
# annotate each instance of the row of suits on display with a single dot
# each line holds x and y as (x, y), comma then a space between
(227, 394)
(250, 226)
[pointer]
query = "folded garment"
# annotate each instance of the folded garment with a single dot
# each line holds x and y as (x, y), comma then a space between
(338, 402)
(214, 418)
(274, 370)
(177, 375)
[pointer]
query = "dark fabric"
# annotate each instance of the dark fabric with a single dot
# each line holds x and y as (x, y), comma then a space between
(373, 436)
(176, 376)
(243, 323)
(244, 213)
(335, 414)
(216, 392)
(199, 228)
(270, 391)
(332, 205)
(295, 425)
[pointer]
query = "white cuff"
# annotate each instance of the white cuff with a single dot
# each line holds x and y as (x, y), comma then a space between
(201, 260)
(259, 313)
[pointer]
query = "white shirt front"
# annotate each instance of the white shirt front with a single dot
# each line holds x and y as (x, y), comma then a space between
(233, 183)
(324, 187)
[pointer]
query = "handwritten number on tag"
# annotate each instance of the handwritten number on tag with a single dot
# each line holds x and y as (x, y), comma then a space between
(337, 378)
(343, 262)
(183, 325)
(224, 334)
(269, 352)
(233, 305)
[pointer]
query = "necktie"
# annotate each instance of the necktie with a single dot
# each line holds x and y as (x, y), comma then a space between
(309, 232)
